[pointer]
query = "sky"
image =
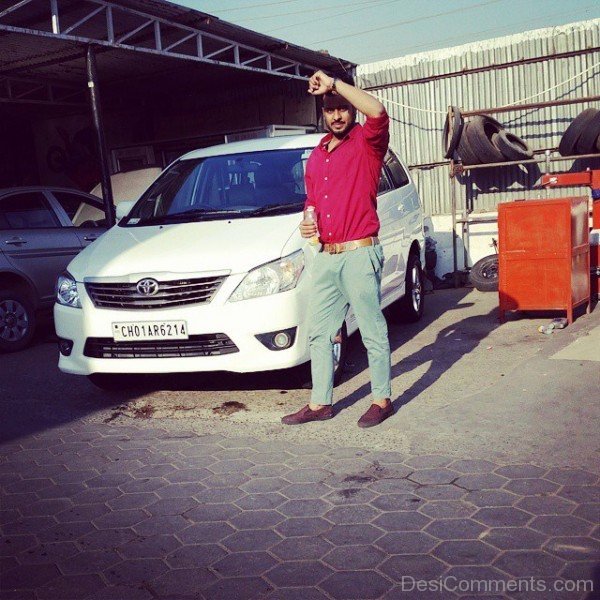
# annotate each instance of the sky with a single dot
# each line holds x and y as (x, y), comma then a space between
(364, 31)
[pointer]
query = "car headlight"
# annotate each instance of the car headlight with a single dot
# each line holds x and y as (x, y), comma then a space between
(66, 291)
(274, 277)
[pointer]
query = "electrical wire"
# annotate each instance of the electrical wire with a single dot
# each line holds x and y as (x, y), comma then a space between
(407, 22)
(222, 10)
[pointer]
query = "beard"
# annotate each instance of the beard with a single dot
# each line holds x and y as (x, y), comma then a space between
(340, 133)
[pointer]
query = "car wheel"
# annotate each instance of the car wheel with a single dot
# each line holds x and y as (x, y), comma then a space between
(17, 321)
(410, 308)
(484, 274)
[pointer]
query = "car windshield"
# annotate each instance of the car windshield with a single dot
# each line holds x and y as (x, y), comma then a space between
(232, 186)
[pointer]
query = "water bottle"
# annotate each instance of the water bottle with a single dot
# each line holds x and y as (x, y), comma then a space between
(309, 215)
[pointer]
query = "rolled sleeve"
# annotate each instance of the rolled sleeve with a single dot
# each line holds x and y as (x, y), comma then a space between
(376, 131)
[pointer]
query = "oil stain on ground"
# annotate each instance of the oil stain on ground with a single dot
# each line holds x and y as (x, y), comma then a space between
(228, 408)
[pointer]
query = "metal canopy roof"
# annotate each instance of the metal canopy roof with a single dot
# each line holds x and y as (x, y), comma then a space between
(44, 42)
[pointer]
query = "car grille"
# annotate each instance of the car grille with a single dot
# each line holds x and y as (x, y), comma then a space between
(212, 344)
(170, 293)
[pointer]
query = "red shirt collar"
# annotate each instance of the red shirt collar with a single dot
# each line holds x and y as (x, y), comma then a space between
(323, 143)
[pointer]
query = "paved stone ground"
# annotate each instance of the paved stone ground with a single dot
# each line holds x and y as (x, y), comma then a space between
(98, 511)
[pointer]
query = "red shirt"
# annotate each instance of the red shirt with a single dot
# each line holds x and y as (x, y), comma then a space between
(342, 184)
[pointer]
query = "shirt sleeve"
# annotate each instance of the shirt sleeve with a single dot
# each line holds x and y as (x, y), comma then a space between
(377, 133)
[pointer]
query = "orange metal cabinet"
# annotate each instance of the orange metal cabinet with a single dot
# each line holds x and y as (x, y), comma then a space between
(544, 261)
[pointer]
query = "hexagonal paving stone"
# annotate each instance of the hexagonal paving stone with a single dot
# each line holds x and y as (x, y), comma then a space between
(204, 533)
(580, 493)
(294, 573)
(196, 555)
(392, 486)
(106, 538)
(155, 546)
(146, 484)
(171, 506)
(304, 508)
(70, 586)
(407, 520)
(417, 566)
(219, 495)
(45, 508)
(407, 542)
(520, 471)
(514, 538)
(465, 552)
(545, 505)
(306, 548)
(23, 577)
(447, 509)
(63, 532)
(83, 513)
(44, 553)
(561, 525)
(26, 525)
(433, 476)
(355, 513)
(251, 540)
(480, 481)
(502, 516)
(344, 535)
(307, 475)
(301, 491)
(356, 585)
(244, 564)
(183, 582)
(267, 470)
(529, 563)
(226, 480)
(395, 502)
(428, 461)
(303, 526)
(574, 548)
(441, 492)
(489, 498)
(261, 501)
(455, 529)
(135, 571)
(230, 466)
(531, 486)
(256, 519)
(96, 495)
(120, 518)
(262, 485)
(589, 512)
(161, 525)
(571, 476)
(92, 561)
(350, 495)
(212, 512)
(297, 593)
(473, 466)
(239, 588)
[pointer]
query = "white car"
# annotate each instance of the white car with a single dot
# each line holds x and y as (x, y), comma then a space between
(208, 271)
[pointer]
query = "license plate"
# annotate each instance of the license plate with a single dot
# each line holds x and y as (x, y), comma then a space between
(150, 330)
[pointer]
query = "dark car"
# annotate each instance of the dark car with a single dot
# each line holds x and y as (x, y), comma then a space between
(41, 230)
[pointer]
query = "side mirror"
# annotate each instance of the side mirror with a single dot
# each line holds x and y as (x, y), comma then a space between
(123, 208)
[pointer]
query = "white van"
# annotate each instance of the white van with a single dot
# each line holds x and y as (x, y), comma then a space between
(208, 271)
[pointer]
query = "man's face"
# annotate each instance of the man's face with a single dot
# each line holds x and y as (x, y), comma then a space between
(338, 115)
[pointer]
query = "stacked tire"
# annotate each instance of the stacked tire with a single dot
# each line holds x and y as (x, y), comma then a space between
(582, 136)
(481, 140)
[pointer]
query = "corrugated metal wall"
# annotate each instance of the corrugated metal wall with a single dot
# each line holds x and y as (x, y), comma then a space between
(426, 84)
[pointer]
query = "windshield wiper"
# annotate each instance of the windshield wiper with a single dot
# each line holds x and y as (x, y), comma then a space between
(188, 214)
(272, 208)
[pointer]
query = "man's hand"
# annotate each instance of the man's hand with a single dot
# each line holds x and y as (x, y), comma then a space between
(308, 228)
(320, 84)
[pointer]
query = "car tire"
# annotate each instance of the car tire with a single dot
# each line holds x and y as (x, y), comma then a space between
(17, 320)
(410, 308)
(479, 137)
(465, 152)
(484, 274)
(568, 142)
(511, 146)
(586, 144)
(453, 128)
(340, 351)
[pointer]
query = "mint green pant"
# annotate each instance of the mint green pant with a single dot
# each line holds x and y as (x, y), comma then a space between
(339, 281)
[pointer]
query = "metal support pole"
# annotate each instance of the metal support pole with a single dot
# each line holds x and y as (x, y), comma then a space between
(453, 199)
(107, 195)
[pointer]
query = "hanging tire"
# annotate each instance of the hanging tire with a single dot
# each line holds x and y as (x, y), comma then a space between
(17, 320)
(480, 132)
(465, 152)
(410, 308)
(511, 146)
(484, 274)
(453, 128)
(568, 142)
(586, 144)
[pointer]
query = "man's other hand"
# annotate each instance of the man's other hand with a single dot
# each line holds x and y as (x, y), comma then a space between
(308, 229)
(320, 84)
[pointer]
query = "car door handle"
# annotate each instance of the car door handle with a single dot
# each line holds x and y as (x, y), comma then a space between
(15, 241)
(90, 238)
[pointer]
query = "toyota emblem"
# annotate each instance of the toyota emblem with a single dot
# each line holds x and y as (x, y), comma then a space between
(147, 287)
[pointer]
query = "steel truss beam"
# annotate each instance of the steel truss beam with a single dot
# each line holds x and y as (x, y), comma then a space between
(120, 27)
(34, 91)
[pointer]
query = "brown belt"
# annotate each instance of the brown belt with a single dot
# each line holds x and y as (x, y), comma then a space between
(346, 246)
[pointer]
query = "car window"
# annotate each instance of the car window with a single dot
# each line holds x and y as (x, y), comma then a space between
(80, 209)
(396, 170)
(27, 210)
(384, 184)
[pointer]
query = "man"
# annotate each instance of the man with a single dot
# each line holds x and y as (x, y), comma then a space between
(342, 176)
